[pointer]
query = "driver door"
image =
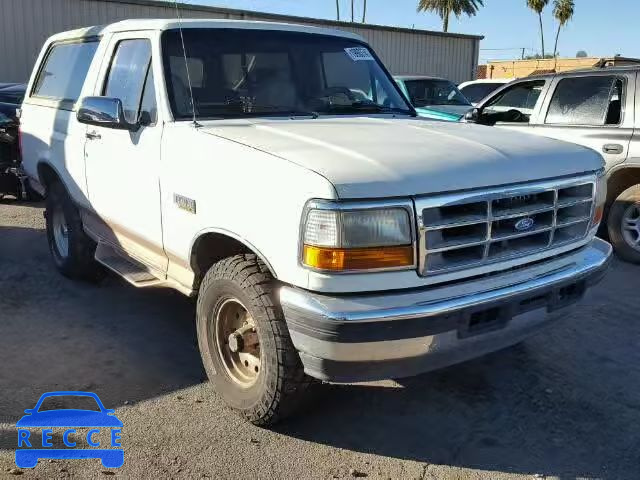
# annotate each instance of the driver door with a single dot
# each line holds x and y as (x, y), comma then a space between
(123, 166)
(515, 107)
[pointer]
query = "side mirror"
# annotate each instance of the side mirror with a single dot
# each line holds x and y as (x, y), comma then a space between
(29, 411)
(104, 112)
(472, 116)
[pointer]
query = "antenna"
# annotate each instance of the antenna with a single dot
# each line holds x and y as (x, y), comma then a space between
(186, 64)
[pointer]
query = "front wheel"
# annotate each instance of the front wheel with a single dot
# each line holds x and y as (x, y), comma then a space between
(623, 224)
(245, 344)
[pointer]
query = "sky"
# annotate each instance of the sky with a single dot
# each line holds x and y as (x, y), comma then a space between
(596, 28)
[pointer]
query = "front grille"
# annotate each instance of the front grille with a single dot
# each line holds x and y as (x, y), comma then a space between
(466, 230)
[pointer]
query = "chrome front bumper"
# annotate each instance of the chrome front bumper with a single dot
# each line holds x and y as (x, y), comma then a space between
(359, 337)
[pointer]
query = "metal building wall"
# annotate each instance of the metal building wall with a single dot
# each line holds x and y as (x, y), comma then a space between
(25, 24)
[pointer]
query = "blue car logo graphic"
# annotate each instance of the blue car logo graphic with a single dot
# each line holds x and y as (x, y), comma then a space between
(32, 447)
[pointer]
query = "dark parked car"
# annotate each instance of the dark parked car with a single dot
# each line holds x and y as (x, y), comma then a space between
(12, 181)
(10, 178)
(11, 95)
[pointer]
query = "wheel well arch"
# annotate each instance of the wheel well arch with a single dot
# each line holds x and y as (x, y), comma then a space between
(212, 246)
(47, 174)
(620, 179)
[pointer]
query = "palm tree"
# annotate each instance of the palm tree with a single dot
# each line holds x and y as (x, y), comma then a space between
(445, 8)
(364, 11)
(563, 11)
(538, 6)
(338, 9)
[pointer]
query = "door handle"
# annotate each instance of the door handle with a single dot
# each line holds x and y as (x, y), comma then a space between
(93, 136)
(612, 148)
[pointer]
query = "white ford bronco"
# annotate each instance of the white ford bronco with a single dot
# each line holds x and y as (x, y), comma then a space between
(277, 173)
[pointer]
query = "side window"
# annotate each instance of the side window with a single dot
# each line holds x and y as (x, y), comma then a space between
(148, 105)
(587, 101)
(522, 97)
(64, 71)
(127, 75)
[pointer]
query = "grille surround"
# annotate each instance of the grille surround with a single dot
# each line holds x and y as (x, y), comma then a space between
(477, 228)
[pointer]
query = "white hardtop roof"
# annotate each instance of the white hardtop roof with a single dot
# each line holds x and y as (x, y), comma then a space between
(172, 23)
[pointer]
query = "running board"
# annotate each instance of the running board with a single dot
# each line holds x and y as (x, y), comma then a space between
(131, 270)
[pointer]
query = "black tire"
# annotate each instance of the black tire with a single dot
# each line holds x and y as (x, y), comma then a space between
(620, 207)
(78, 262)
(30, 194)
(281, 386)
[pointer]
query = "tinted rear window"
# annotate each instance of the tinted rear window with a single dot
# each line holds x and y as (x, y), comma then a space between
(64, 71)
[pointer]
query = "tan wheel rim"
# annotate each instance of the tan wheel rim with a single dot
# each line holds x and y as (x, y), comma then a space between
(237, 342)
(60, 231)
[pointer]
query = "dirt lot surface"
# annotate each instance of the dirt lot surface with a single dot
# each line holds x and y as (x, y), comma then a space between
(565, 404)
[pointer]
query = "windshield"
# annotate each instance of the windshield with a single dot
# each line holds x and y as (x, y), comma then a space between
(427, 92)
(475, 92)
(243, 73)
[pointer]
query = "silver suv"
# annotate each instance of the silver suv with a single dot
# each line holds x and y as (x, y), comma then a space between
(594, 108)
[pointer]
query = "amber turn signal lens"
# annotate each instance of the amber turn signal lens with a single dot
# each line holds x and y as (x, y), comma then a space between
(337, 259)
(598, 213)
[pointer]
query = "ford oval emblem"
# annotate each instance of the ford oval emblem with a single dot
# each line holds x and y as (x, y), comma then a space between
(525, 224)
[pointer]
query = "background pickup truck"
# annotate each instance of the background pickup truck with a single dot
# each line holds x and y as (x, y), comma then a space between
(277, 173)
(595, 108)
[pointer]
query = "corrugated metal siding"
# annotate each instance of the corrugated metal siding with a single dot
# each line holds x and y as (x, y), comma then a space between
(26, 24)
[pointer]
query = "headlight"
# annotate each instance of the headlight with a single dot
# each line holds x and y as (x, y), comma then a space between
(600, 199)
(337, 238)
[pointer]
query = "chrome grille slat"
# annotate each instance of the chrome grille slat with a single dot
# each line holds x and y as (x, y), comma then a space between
(520, 214)
(573, 203)
(485, 254)
(440, 226)
(457, 246)
(520, 235)
(466, 230)
(572, 222)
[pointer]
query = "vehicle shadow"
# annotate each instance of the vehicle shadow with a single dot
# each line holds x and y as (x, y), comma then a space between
(559, 404)
(496, 413)
(122, 343)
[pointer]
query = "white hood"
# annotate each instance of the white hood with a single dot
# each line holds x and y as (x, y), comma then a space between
(366, 157)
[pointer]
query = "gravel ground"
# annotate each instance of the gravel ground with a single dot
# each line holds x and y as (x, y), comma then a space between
(565, 404)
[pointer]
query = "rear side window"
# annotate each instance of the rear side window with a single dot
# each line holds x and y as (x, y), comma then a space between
(64, 71)
(477, 91)
(587, 101)
(127, 75)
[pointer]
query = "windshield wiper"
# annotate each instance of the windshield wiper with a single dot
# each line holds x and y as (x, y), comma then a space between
(276, 110)
(370, 107)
